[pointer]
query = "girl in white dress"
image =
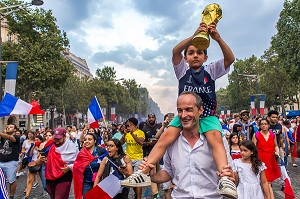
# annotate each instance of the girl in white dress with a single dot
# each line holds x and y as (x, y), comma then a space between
(249, 173)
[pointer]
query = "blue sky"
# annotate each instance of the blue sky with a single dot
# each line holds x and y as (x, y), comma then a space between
(136, 37)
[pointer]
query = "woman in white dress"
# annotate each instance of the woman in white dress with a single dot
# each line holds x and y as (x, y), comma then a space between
(249, 173)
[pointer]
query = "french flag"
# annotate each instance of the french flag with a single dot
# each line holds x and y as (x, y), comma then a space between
(252, 104)
(108, 188)
(288, 189)
(94, 113)
(223, 112)
(262, 104)
(13, 105)
(10, 78)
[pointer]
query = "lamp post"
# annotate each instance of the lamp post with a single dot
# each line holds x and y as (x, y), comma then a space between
(51, 108)
(4, 12)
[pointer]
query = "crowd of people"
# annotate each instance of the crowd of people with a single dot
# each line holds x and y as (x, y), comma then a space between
(194, 154)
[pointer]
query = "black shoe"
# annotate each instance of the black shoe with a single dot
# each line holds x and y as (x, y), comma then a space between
(282, 188)
(11, 197)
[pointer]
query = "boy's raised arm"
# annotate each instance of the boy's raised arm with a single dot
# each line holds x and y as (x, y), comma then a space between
(177, 50)
(227, 53)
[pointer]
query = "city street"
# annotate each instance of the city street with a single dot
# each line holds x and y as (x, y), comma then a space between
(293, 173)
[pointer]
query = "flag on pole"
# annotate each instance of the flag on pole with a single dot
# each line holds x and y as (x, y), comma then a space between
(112, 114)
(108, 188)
(94, 113)
(13, 105)
(10, 78)
(262, 104)
(252, 104)
(228, 114)
(223, 112)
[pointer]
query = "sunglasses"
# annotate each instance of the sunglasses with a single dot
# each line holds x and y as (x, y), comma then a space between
(245, 115)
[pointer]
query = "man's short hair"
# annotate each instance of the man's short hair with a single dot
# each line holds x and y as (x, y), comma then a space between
(272, 112)
(197, 97)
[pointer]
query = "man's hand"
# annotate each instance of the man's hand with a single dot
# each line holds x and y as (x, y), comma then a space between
(227, 171)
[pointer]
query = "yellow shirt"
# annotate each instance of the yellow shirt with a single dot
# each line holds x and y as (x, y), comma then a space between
(133, 149)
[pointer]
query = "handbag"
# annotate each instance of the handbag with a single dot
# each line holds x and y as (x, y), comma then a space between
(94, 174)
(24, 162)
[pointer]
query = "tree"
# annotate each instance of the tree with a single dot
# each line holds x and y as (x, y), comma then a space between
(38, 50)
(286, 42)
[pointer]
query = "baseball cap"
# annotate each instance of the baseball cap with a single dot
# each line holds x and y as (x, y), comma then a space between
(59, 133)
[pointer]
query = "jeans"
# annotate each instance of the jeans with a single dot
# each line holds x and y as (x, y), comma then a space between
(86, 187)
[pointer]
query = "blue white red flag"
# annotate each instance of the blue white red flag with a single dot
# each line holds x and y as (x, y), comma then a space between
(94, 111)
(3, 190)
(108, 188)
(288, 189)
(13, 105)
(11, 77)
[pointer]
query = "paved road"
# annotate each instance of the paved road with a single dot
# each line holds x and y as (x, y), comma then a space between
(294, 173)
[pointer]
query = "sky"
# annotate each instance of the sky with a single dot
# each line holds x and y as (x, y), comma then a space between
(136, 37)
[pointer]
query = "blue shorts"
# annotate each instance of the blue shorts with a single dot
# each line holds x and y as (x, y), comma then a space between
(10, 170)
(208, 123)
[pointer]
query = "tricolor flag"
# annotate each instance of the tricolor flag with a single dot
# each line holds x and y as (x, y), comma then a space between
(108, 188)
(94, 113)
(36, 108)
(288, 190)
(252, 104)
(262, 104)
(10, 78)
(13, 105)
(3, 189)
(112, 114)
(222, 112)
(228, 114)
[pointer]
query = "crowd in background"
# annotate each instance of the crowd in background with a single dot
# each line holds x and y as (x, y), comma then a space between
(89, 155)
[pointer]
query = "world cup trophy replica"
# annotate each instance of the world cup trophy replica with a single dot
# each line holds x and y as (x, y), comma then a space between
(211, 13)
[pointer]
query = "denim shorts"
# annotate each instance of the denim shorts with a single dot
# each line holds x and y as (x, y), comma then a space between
(136, 164)
(10, 170)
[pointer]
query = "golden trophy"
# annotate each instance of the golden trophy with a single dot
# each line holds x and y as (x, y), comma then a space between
(211, 13)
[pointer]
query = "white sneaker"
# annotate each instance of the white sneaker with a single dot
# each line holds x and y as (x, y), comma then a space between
(20, 174)
(294, 165)
(35, 185)
(137, 179)
(227, 188)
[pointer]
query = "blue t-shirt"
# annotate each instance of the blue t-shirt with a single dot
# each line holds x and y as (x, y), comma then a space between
(93, 166)
(201, 82)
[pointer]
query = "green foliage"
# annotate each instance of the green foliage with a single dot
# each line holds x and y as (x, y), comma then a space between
(286, 42)
(38, 50)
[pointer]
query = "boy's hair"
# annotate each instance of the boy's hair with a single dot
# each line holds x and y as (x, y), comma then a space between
(186, 49)
(255, 160)
(271, 112)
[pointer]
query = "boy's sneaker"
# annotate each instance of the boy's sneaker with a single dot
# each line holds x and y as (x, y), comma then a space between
(227, 188)
(137, 179)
